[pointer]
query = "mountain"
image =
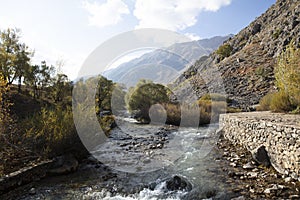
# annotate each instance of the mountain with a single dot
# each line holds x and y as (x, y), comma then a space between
(246, 61)
(170, 60)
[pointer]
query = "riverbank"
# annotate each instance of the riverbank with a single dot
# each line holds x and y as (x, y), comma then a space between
(277, 133)
(250, 180)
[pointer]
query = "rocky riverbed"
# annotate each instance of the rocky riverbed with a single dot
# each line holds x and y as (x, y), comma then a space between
(253, 181)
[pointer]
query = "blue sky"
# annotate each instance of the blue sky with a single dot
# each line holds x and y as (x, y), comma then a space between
(70, 30)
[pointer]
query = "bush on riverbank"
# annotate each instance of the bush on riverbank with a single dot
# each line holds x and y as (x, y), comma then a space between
(52, 132)
(206, 110)
(287, 74)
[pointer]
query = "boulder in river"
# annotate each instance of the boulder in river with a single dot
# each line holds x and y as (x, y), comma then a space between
(178, 183)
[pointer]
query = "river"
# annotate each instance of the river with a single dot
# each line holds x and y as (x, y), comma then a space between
(139, 161)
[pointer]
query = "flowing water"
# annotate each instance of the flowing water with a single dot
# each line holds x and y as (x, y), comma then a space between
(140, 159)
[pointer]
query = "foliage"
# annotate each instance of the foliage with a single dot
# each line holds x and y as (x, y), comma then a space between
(39, 77)
(281, 102)
(3, 104)
(107, 122)
(6, 122)
(52, 131)
(276, 33)
(10, 143)
(95, 96)
(224, 51)
(206, 110)
(212, 105)
(260, 71)
(144, 96)
(104, 94)
(213, 97)
(233, 110)
(14, 56)
(287, 73)
(118, 104)
(61, 90)
(265, 102)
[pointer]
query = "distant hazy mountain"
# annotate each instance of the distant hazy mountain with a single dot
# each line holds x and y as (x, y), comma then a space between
(162, 65)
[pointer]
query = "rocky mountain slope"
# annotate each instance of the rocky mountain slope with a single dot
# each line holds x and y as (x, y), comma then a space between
(247, 71)
(177, 57)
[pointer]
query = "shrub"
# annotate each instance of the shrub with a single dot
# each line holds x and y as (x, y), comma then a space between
(3, 105)
(281, 102)
(107, 122)
(276, 33)
(265, 102)
(173, 111)
(233, 110)
(213, 97)
(187, 114)
(224, 51)
(260, 71)
(287, 73)
(52, 132)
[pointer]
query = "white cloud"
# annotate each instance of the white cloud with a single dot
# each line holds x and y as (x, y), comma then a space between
(173, 14)
(192, 36)
(106, 14)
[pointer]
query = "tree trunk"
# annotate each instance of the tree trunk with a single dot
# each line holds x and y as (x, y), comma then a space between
(19, 84)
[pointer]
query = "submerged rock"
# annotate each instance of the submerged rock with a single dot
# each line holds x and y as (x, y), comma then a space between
(178, 183)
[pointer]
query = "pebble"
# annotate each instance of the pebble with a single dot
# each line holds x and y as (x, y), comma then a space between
(267, 191)
(294, 196)
(288, 179)
(232, 164)
(252, 174)
(249, 165)
(239, 198)
(32, 191)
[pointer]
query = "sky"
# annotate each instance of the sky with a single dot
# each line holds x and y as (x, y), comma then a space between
(69, 30)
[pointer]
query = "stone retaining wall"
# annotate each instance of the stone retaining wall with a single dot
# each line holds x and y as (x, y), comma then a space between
(279, 133)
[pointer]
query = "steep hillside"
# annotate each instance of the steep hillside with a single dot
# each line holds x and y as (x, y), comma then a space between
(247, 70)
(143, 66)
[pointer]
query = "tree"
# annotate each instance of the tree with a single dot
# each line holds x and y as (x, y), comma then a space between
(287, 73)
(45, 75)
(146, 95)
(118, 98)
(104, 94)
(22, 63)
(14, 56)
(62, 88)
(31, 78)
(39, 77)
